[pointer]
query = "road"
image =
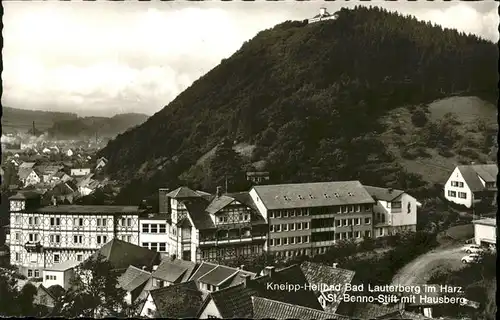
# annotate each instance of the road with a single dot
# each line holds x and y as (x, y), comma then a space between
(419, 270)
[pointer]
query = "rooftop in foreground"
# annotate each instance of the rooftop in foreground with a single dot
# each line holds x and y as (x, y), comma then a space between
(89, 209)
(486, 221)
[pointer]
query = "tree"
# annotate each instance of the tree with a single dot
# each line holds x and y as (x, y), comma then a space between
(15, 302)
(226, 164)
(94, 293)
(10, 177)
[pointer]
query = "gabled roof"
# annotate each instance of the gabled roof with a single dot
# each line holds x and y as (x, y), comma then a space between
(196, 210)
(182, 193)
(23, 173)
(218, 203)
(218, 275)
(317, 194)
(177, 301)
(319, 273)
(63, 266)
(174, 271)
(27, 165)
(471, 174)
(384, 194)
(133, 278)
(203, 269)
(265, 308)
(236, 301)
(122, 254)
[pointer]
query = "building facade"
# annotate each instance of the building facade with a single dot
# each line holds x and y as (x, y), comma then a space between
(156, 234)
(309, 218)
(469, 185)
(394, 211)
(41, 236)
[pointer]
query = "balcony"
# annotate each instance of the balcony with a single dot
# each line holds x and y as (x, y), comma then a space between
(229, 239)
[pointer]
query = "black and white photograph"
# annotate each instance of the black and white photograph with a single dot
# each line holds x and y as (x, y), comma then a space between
(249, 159)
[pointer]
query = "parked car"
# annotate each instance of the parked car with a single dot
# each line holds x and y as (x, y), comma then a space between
(472, 248)
(472, 258)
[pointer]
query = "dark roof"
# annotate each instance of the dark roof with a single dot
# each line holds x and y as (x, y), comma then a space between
(182, 193)
(55, 291)
(133, 278)
(89, 209)
(384, 194)
(122, 254)
(257, 173)
(218, 275)
(25, 195)
(236, 301)
(317, 194)
(265, 308)
(177, 301)
(196, 211)
(471, 174)
(218, 203)
(174, 270)
(203, 269)
(402, 314)
(367, 311)
(319, 273)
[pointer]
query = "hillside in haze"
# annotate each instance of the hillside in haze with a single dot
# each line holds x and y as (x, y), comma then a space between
(21, 120)
(90, 126)
(351, 98)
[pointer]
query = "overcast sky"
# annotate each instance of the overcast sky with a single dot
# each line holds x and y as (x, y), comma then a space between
(103, 58)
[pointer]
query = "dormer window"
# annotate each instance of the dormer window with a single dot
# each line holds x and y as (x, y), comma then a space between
(300, 197)
(311, 196)
(326, 196)
(286, 198)
(350, 194)
(336, 194)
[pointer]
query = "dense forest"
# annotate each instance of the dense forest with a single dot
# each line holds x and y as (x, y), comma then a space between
(309, 96)
(90, 126)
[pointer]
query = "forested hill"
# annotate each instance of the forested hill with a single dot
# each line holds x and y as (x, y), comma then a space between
(90, 126)
(310, 98)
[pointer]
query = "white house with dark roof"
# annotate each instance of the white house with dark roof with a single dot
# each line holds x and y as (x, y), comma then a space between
(308, 218)
(59, 274)
(394, 211)
(485, 231)
(470, 184)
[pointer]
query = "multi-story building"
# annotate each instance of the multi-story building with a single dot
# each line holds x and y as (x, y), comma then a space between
(308, 218)
(213, 227)
(157, 234)
(471, 184)
(43, 235)
(394, 211)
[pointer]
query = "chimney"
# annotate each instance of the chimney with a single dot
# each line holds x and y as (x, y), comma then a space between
(164, 202)
(334, 265)
(246, 280)
(269, 271)
(322, 11)
(219, 191)
(155, 267)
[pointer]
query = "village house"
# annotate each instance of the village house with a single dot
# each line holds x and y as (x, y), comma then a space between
(28, 175)
(79, 172)
(170, 272)
(257, 177)
(59, 274)
(211, 277)
(395, 211)
(133, 281)
(177, 301)
(47, 297)
(101, 163)
(471, 184)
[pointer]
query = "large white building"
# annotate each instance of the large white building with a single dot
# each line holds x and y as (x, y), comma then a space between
(41, 236)
(485, 231)
(471, 184)
(393, 212)
(157, 234)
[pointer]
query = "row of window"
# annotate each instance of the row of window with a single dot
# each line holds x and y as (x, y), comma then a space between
(351, 222)
(78, 222)
(226, 219)
(50, 277)
(57, 257)
(457, 184)
(461, 195)
(289, 227)
(323, 210)
(56, 238)
(155, 246)
(33, 273)
(154, 228)
(288, 240)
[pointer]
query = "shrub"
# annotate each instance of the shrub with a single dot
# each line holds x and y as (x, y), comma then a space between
(419, 118)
